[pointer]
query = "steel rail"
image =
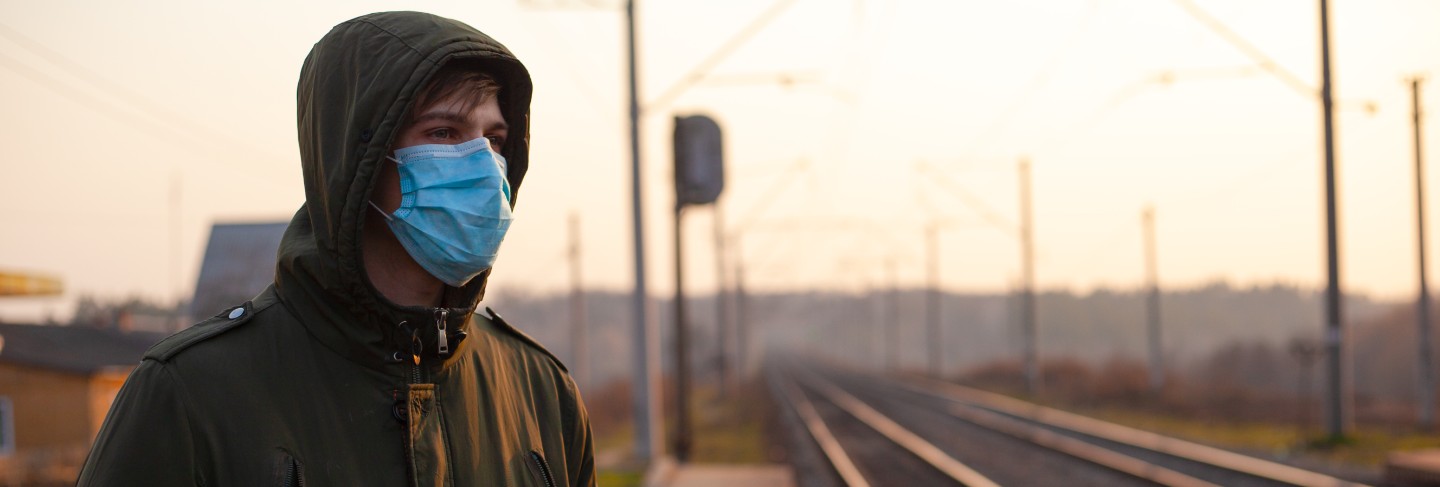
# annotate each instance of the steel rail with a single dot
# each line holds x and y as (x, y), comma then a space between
(1110, 459)
(897, 434)
(1125, 435)
(839, 460)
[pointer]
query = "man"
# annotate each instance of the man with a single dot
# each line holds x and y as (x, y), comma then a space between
(364, 363)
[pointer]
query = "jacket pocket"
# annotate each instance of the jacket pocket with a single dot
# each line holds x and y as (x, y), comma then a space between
(540, 469)
(288, 471)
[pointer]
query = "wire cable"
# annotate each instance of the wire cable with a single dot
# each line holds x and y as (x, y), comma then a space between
(1265, 61)
(703, 69)
(158, 130)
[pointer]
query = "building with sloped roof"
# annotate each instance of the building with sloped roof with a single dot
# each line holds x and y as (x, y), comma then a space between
(56, 385)
(239, 263)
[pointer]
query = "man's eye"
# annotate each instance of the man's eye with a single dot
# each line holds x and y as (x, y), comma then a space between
(440, 133)
(496, 142)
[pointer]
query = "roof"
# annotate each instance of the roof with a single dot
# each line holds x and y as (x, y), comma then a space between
(239, 263)
(77, 349)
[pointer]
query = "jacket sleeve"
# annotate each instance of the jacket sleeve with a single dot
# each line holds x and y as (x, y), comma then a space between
(579, 446)
(146, 439)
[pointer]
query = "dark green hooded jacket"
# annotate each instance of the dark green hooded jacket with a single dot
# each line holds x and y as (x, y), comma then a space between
(316, 382)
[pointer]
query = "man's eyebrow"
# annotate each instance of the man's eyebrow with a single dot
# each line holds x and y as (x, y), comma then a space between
(448, 116)
(456, 117)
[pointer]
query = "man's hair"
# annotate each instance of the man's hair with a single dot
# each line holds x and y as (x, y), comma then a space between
(473, 86)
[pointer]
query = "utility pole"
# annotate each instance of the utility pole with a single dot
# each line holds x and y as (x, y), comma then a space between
(1152, 304)
(1338, 410)
(646, 344)
(1027, 292)
(579, 332)
(892, 322)
(1426, 370)
(932, 296)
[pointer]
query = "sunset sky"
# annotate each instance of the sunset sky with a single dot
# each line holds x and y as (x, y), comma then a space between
(849, 125)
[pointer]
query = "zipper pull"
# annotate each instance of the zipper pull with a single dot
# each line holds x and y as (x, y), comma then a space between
(440, 338)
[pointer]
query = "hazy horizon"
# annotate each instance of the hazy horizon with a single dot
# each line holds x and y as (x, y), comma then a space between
(849, 126)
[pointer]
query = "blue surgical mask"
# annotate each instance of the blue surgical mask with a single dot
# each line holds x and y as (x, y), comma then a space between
(454, 208)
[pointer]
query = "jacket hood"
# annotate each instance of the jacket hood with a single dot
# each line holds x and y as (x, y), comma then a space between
(356, 86)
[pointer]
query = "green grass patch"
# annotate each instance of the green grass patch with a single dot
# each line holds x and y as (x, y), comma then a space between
(734, 427)
(614, 436)
(619, 478)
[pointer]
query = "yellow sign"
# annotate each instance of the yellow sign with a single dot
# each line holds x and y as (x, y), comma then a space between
(28, 285)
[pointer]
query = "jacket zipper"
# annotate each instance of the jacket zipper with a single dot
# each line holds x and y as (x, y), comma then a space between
(442, 342)
(292, 474)
(543, 467)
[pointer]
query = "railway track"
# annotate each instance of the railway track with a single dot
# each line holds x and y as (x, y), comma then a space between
(870, 431)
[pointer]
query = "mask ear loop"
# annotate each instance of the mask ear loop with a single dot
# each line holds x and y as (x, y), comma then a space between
(377, 207)
(382, 212)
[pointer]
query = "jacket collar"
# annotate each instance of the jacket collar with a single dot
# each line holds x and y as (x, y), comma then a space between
(360, 324)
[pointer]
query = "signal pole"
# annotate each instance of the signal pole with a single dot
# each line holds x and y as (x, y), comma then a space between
(1152, 304)
(682, 345)
(1426, 370)
(1027, 293)
(724, 331)
(1336, 363)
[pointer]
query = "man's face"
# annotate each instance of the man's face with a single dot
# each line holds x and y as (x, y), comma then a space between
(443, 122)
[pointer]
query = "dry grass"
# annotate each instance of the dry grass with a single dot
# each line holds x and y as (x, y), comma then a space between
(738, 427)
(735, 427)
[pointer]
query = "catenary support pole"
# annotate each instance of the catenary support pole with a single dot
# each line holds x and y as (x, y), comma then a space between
(1336, 360)
(1027, 291)
(177, 315)
(1152, 303)
(579, 330)
(742, 315)
(892, 322)
(1425, 367)
(932, 298)
(646, 343)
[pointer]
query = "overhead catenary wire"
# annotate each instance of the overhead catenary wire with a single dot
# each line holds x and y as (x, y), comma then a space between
(158, 113)
(769, 197)
(1042, 77)
(159, 131)
(975, 203)
(700, 71)
(1128, 92)
(1249, 49)
(554, 42)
